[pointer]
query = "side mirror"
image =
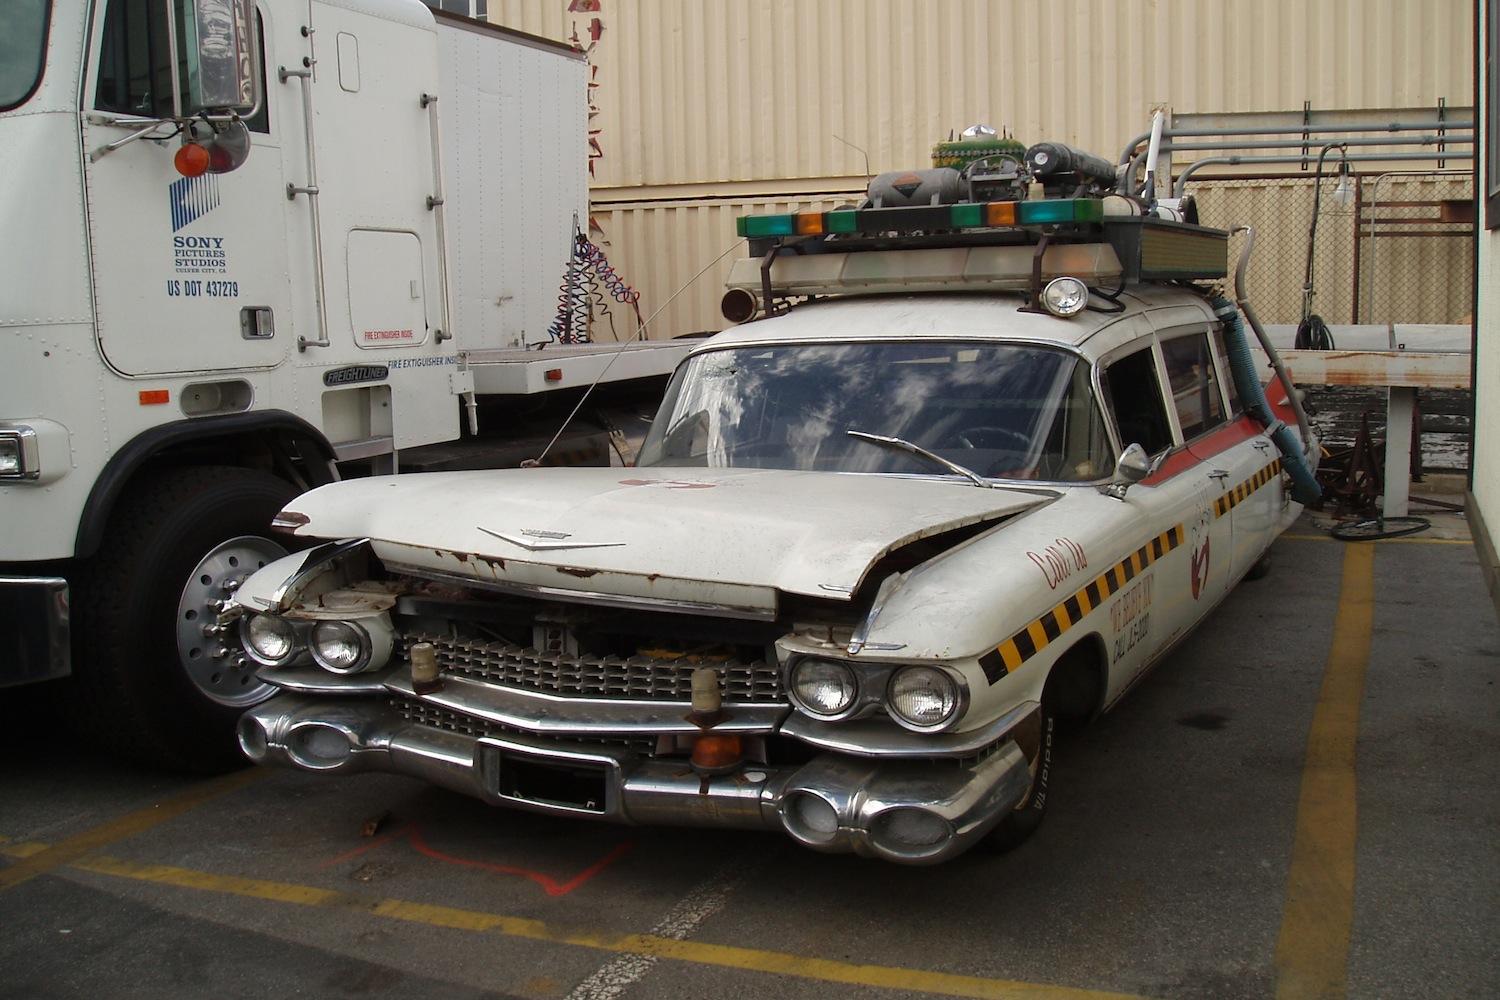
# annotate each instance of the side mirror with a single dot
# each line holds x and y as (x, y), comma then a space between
(217, 58)
(1133, 466)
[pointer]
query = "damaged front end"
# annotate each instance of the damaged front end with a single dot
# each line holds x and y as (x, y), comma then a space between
(648, 714)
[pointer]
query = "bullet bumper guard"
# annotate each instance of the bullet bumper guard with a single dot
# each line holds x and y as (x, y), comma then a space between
(903, 810)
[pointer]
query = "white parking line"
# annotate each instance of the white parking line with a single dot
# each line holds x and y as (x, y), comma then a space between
(617, 975)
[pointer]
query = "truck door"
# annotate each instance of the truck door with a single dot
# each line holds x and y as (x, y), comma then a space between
(190, 273)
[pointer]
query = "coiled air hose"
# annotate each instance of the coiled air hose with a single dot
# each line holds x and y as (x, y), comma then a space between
(1305, 488)
(1313, 334)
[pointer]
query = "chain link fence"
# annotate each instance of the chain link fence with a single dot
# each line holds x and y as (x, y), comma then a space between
(1399, 250)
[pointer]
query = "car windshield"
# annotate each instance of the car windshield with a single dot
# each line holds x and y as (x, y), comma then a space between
(1006, 411)
(23, 43)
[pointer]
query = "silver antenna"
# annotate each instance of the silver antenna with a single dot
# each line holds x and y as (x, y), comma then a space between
(868, 176)
(640, 334)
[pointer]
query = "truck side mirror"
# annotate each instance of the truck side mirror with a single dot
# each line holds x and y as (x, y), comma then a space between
(1133, 466)
(216, 58)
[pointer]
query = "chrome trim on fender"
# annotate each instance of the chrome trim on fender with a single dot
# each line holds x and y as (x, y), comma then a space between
(315, 562)
(316, 680)
(883, 738)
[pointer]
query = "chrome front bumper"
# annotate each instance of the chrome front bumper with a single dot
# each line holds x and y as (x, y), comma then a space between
(34, 623)
(905, 810)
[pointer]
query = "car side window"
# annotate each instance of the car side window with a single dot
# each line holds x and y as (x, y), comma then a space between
(1195, 384)
(1135, 399)
(1234, 394)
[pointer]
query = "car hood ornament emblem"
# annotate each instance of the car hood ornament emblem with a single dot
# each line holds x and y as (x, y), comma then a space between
(537, 540)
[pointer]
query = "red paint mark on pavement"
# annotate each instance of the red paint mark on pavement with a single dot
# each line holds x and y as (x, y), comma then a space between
(412, 834)
(395, 832)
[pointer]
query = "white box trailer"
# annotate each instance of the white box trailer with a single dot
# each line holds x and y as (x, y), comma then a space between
(211, 307)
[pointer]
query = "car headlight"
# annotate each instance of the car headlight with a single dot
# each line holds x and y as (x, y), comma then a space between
(268, 639)
(923, 698)
(348, 647)
(342, 647)
(823, 687)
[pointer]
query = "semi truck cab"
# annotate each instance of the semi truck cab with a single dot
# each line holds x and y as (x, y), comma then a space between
(254, 246)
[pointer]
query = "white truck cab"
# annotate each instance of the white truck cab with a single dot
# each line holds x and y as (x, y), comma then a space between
(252, 246)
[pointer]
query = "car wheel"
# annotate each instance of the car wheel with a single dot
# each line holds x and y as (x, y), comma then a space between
(1023, 821)
(1261, 568)
(155, 677)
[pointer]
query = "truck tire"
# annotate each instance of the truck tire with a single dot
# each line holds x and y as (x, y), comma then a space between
(153, 680)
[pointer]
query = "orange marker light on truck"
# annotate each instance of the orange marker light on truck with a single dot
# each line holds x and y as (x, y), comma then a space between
(192, 160)
(154, 397)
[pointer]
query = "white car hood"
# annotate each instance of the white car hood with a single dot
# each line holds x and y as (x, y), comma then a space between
(714, 537)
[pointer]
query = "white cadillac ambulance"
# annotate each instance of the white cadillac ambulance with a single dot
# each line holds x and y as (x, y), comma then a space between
(982, 452)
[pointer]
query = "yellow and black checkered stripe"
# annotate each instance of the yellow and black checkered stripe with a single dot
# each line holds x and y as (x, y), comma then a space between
(1035, 637)
(1229, 501)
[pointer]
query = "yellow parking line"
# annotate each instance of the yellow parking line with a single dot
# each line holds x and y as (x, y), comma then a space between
(1312, 950)
(1382, 541)
(698, 952)
(67, 851)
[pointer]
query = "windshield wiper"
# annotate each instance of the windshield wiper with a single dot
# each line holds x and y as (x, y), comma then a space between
(904, 445)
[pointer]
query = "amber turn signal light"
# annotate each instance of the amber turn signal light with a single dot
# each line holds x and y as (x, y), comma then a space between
(717, 753)
(192, 160)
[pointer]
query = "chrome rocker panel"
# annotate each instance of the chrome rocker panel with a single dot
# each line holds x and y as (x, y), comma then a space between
(361, 734)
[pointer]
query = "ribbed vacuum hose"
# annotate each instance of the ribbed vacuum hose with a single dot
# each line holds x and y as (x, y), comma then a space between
(1305, 488)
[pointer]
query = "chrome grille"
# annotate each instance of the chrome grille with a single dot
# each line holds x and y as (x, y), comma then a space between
(635, 677)
(423, 714)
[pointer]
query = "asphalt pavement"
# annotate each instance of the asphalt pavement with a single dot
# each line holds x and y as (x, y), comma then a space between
(1300, 801)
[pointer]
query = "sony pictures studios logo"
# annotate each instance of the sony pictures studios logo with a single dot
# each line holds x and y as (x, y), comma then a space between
(189, 199)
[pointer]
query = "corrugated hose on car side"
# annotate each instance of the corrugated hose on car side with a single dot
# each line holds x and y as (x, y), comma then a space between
(1305, 488)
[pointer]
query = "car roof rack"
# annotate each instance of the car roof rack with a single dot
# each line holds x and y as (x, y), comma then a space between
(1000, 223)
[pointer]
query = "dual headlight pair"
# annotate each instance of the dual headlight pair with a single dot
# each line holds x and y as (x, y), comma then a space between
(920, 697)
(342, 647)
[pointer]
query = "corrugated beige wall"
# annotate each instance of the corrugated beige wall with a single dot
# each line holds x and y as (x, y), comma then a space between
(704, 103)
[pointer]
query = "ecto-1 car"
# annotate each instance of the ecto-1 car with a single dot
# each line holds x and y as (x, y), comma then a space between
(983, 475)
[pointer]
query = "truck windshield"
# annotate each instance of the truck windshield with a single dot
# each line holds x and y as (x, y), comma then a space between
(23, 46)
(1007, 411)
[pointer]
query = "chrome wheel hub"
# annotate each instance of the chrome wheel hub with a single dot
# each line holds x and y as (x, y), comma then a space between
(211, 653)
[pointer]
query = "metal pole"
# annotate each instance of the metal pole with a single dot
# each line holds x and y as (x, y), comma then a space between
(1424, 139)
(173, 56)
(1359, 208)
(1123, 187)
(1352, 127)
(311, 190)
(1197, 165)
(1312, 230)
